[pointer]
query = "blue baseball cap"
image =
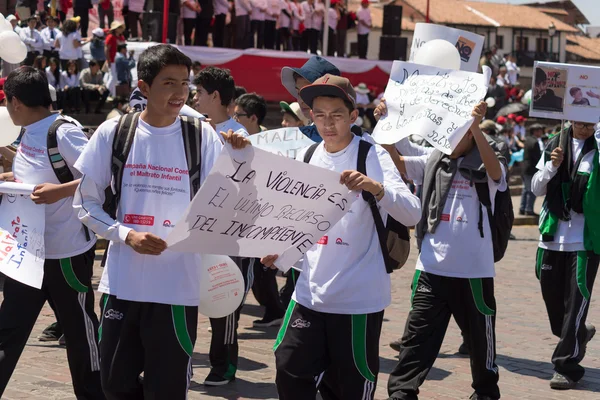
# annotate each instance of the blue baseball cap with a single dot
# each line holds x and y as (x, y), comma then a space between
(313, 69)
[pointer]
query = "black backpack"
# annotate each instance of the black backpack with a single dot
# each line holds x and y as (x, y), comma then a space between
(501, 220)
(394, 237)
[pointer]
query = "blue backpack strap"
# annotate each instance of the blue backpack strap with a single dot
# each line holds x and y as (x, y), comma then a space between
(191, 129)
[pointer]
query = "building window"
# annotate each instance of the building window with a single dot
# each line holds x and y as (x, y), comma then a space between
(500, 41)
(541, 45)
(522, 43)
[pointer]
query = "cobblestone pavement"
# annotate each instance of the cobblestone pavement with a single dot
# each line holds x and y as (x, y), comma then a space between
(525, 345)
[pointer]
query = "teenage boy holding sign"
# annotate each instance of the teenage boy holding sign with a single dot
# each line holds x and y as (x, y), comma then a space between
(455, 269)
(158, 162)
(330, 334)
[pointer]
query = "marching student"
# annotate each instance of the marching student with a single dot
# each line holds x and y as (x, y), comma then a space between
(215, 89)
(329, 340)
(455, 268)
(250, 111)
(69, 246)
(150, 299)
(569, 248)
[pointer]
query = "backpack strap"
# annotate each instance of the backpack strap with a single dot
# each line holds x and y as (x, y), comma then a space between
(483, 193)
(124, 135)
(61, 170)
(382, 232)
(191, 129)
(309, 152)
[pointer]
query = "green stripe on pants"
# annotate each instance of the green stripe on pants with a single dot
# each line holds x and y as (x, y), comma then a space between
(582, 260)
(414, 286)
(103, 301)
(359, 346)
(180, 325)
(538, 263)
(477, 290)
(67, 269)
(284, 325)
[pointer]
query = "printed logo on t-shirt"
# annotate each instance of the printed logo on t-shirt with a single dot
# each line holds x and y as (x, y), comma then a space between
(340, 242)
(461, 219)
(168, 224)
(323, 240)
(135, 219)
(445, 217)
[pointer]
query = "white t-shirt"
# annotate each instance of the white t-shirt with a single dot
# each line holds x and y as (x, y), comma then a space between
(151, 201)
(456, 249)
(569, 234)
(70, 81)
(317, 17)
(257, 7)
(284, 20)
(332, 18)
(52, 79)
(344, 273)
(65, 235)
(233, 125)
(242, 7)
(186, 12)
(273, 8)
(363, 14)
(307, 11)
(513, 71)
(67, 51)
(297, 15)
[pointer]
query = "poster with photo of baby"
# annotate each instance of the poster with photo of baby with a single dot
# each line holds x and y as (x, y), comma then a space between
(566, 92)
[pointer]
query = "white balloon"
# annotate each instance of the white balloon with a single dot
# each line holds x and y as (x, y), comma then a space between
(12, 49)
(490, 101)
(8, 131)
(438, 53)
(221, 286)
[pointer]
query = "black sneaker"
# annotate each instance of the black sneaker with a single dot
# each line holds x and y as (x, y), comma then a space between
(50, 334)
(531, 214)
(561, 382)
(267, 321)
(396, 345)
(463, 349)
(214, 379)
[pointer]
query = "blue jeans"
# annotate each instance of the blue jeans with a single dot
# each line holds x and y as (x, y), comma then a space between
(527, 197)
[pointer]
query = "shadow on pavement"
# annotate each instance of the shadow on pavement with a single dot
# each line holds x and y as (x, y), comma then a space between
(386, 365)
(544, 371)
(200, 360)
(239, 389)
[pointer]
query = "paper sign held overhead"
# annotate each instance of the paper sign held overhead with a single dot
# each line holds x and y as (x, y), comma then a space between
(433, 103)
(468, 44)
(254, 203)
(285, 142)
(566, 92)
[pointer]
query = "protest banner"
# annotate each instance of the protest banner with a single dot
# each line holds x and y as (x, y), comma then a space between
(254, 203)
(468, 44)
(22, 224)
(284, 142)
(430, 102)
(566, 92)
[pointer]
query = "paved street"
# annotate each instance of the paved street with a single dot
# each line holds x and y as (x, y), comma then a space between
(524, 346)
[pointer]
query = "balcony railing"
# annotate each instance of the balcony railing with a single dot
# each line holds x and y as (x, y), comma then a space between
(526, 58)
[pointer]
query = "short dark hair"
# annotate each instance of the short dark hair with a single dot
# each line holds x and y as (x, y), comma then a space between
(574, 90)
(197, 64)
(217, 79)
(239, 90)
(30, 86)
(118, 100)
(92, 63)
(69, 26)
(540, 76)
(253, 104)
(121, 47)
(154, 59)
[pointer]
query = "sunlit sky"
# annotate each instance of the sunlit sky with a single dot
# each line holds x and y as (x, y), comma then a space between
(590, 8)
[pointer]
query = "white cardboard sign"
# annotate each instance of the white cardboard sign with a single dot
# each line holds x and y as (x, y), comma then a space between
(433, 103)
(468, 44)
(254, 203)
(284, 142)
(22, 225)
(566, 92)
